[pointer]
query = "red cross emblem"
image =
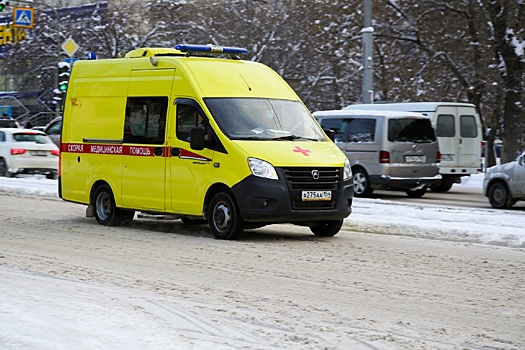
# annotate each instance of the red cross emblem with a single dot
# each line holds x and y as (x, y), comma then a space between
(303, 151)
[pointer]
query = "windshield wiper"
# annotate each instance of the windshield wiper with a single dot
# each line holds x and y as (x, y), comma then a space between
(293, 137)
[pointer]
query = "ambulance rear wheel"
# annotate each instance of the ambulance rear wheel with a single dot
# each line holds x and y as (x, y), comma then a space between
(327, 228)
(105, 210)
(223, 217)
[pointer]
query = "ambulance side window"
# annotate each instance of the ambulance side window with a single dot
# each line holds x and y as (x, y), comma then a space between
(188, 117)
(145, 121)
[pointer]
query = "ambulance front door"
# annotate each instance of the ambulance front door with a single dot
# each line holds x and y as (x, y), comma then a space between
(189, 170)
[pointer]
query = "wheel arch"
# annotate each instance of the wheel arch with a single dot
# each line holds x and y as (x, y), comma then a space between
(212, 191)
(94, 188)
(498, 179)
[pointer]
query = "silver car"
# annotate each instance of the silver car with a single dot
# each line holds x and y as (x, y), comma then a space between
(504, 184)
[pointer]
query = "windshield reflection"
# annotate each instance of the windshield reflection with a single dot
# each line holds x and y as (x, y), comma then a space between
(264, 119)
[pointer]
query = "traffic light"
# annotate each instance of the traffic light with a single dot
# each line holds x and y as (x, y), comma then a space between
(64, 69)
(3, 4)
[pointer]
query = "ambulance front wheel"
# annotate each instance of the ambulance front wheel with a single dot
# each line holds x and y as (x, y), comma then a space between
(223, 217)
(105, 210)
(327, 228)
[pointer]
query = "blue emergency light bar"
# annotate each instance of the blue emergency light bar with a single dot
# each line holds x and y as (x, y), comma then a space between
(211, 49)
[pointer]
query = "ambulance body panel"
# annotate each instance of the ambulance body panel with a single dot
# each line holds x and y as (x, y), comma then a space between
(160, 132)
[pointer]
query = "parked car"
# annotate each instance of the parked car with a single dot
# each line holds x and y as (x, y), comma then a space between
(26, 151)
(504, 184)
(53, 130)
(389, 150)
(9, 123)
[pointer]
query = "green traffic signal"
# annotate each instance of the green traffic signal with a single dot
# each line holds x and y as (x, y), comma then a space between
(3, 4)
(62, 86)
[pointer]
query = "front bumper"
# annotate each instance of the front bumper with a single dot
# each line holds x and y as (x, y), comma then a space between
(268, 201)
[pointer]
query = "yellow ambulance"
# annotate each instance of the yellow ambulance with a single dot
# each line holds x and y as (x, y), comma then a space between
(195, 132)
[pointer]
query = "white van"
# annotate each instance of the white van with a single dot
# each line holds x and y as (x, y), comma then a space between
(387, 149)
(458, 128)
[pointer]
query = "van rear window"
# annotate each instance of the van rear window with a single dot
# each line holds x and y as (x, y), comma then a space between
(446, 125)
(467, 125)
(410, 130)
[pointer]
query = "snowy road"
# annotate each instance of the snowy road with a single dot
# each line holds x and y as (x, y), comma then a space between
(381, 284)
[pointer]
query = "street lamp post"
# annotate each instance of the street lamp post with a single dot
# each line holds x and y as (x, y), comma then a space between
(368, 67)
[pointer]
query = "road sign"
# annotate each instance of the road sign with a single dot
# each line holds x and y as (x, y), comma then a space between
(70, 47)
(70, 60)
(23, 17)
(6, 112)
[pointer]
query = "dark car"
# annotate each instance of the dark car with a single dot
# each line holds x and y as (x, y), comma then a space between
(9, 123)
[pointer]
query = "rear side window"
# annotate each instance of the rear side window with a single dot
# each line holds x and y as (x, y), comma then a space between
(2, 136)
(467, 124)
(30, 137)
(351, 129)
(337, 125)
(361, 130)
(410, 130)
(446, 126)
(145, 121)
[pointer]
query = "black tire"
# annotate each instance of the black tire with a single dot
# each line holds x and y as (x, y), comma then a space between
(444, 186)
(190, 221)
(327, 228)
(3, 169)
(416, 193)
(499, 196)
(51, 176)
(105, 210)
(224, 218)
(362, 186)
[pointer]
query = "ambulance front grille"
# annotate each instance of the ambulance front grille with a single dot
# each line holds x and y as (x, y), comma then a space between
(302, 179)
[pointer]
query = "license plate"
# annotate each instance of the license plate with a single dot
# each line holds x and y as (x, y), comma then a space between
(415, 159)
(316, 195)
(38, 153)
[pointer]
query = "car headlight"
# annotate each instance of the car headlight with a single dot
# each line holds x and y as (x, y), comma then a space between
(261, 168)
(347, 170)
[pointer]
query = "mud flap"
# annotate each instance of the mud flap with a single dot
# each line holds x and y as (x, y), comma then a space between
(89, 211)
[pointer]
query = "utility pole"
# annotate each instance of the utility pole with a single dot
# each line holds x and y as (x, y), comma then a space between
(368, 67)
(57, 24)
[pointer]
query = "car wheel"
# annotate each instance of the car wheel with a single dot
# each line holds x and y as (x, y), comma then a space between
(223, 217)
(105, 210)
(499, 196)
(327, 228)
(444, 186)
(416, 193)
(362, 186)
(51, 176)
(3, 169)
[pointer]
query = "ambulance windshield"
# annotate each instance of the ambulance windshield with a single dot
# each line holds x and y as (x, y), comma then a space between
(264, 119)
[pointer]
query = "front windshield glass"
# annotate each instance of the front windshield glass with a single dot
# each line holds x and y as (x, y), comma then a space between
(264, 119)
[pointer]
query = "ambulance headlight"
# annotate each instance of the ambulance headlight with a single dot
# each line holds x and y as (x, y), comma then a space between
(262, 169)
(347, 170)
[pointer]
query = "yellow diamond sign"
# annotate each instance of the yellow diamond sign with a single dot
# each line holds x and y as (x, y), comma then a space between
(70, 47)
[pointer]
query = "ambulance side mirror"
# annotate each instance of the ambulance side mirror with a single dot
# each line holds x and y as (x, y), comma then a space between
(197, 138)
